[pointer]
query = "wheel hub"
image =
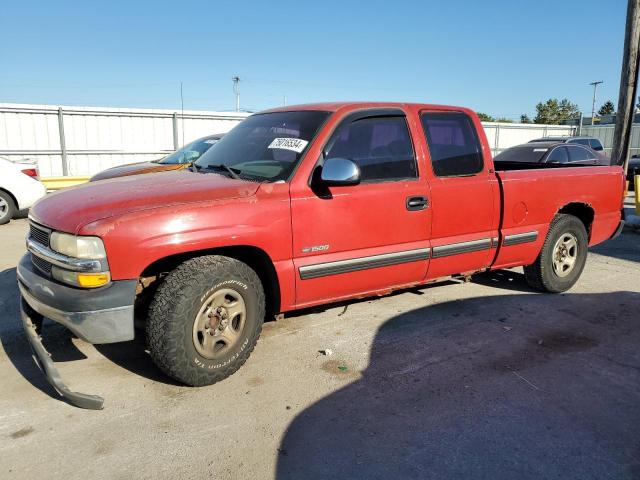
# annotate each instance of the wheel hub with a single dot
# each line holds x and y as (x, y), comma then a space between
(219, 323)
(565, 254)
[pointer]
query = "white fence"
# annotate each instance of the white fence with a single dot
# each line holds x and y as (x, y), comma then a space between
(605, 134)
(84, 140)
(78, 141)
(505, 135)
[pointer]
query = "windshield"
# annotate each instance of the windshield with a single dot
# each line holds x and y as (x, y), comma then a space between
(521, 154)
(265, 146)
(190, 152)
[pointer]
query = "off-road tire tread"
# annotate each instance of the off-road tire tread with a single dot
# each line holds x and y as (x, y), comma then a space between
(165, 337)
(537, 274)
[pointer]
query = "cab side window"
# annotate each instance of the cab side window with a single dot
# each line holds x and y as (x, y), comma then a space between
(454, 146)
(580, 154)
(380, 146)
(558, 155)
(595, 144)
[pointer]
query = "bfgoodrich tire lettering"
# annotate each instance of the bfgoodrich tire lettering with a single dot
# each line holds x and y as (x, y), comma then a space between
(562, 258)
(179, 303)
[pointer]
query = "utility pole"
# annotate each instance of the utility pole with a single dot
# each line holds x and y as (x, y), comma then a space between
(593, 105)
(236, 90)
(284, 100)
(628, 86)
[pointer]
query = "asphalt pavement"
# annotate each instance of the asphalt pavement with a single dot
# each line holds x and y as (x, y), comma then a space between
(486, 379)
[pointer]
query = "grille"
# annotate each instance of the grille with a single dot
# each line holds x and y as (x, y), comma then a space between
(39, 234)
(41, 264)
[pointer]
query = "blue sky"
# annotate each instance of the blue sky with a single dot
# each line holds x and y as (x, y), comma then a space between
(499, 57)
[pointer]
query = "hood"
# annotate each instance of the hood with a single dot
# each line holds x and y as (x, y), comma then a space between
(70, 209)
(135, 169)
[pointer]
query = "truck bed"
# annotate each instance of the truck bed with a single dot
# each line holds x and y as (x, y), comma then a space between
(507, 166)
(532, 194)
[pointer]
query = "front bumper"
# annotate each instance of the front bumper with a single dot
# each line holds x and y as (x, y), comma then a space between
(101, 315)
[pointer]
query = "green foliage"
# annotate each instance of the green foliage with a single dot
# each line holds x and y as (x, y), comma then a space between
(485, 118)
(503, 120)
(607, 108)
(554, 111)
(524, 118)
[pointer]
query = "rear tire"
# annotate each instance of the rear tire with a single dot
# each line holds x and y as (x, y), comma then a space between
(8, 208)
(205, 319)
(562, 258)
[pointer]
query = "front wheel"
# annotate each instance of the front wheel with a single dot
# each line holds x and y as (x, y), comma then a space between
(563, 256)
(205, 319)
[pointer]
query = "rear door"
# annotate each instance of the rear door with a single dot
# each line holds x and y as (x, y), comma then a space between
(464, 193)
(363, 238)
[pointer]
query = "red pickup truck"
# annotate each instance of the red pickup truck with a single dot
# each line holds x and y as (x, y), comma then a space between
(295, 207)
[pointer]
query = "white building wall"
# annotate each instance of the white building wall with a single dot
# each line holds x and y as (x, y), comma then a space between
(99, 138)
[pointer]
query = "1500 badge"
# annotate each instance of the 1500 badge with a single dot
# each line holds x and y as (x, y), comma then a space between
(315, 248)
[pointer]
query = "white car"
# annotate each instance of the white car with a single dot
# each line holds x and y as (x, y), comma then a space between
(19, 188)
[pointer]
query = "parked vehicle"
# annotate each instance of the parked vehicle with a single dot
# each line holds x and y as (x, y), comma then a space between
(633, 169)
(178, 160)
(20, 187)
(295, 207)
(591, 142)
(552, 152)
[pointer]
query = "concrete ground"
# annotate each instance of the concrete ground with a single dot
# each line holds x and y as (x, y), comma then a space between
(479, 380)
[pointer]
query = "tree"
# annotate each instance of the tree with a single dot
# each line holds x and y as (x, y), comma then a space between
(524, 118)
(607, 108)
(553, 111)
(485, 118)
(503, 120)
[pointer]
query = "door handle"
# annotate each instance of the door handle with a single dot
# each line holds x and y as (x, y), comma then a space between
(417, 203)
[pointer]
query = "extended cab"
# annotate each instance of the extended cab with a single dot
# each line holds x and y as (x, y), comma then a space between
(295, 207)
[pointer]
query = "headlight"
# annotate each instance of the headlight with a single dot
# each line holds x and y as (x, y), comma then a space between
(77, 247)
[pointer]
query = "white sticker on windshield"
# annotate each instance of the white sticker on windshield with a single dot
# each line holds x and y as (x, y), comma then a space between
(540, 149)
(211, 141)
(293, 144)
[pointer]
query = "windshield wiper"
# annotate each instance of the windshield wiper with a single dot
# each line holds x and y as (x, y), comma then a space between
(232, 171)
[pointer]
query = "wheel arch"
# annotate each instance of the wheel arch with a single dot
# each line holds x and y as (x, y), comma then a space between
(12, 196)
(253, 256)
(582, 211)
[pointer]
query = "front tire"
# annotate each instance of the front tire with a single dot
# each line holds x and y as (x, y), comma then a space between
(7, 208)
(205, 319)
(563, 256)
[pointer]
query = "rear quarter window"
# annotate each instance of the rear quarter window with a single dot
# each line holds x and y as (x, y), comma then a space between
(453, 144)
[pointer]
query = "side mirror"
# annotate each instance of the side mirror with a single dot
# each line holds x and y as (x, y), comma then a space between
(339, 172)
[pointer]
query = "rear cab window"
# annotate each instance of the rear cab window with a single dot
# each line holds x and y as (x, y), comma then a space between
(453, 144)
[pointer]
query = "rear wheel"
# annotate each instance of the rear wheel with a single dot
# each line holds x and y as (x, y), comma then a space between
(7, 208)
(563, 256)
(205, 319)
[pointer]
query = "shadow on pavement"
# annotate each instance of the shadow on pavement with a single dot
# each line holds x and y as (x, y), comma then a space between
(506, 386)
(15, 344)
(132, 356)
(504, 280)
(625, 247)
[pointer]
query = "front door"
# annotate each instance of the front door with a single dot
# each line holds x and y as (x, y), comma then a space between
(351, 240)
